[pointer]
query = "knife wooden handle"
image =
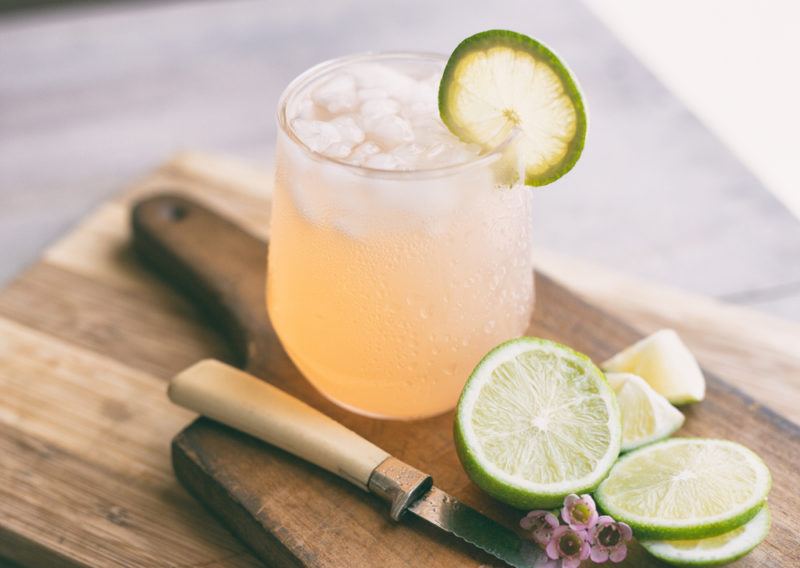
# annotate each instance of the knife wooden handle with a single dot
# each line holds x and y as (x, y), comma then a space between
(251, 405)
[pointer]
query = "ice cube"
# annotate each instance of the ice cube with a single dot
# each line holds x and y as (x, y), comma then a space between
(390, 130)
(408, 154)
(364, 151)
(378, 107)
(442, 154)
(414, 109)
(349, 129)
(316, 134)
(382, 162)
(429, 130)
(303, 108)
(337, 94)
(436, 151)
(338, 150)
(461, 154)
(368, 94)
(422, 99)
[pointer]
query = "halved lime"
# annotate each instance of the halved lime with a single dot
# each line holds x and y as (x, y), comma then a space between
(715, 550)
(664, 361)
(685, 488)
(536, 421)
(647, 416)
(497, 81)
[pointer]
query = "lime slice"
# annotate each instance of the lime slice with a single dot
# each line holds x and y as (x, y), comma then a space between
(646, 415)
(664, 361)
(498, 81)
(714, 550)
(536, 421)
(685, 488)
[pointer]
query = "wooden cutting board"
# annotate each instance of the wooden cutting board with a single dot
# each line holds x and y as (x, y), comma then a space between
(87, 338)
(290, 512)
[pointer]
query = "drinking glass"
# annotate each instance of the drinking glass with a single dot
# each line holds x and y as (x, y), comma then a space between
(387, 287)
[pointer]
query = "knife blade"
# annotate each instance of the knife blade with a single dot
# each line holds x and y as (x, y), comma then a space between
(448, 513)
(409, 490)
(244, 402)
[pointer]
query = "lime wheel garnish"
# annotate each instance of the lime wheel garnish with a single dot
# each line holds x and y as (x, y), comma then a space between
(500, 85)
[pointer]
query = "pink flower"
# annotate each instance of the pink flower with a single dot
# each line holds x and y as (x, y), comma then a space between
(608, 540)
(579, 513)
(541, 525)
(569, 545)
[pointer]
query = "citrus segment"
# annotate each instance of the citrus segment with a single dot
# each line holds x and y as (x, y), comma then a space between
(537, 421)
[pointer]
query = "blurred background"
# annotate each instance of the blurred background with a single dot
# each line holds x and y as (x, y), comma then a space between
(689, 177)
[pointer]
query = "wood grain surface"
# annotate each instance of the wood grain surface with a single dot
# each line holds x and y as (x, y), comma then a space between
(87, 337)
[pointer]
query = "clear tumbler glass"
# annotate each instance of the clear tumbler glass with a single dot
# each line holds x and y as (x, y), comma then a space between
(387, 287)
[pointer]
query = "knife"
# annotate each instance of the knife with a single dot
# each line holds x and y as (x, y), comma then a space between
(244, 402)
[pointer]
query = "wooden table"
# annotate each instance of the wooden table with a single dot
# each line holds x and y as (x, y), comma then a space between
(86, 477)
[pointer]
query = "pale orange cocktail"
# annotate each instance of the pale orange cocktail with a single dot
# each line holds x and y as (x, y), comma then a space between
(396, 259)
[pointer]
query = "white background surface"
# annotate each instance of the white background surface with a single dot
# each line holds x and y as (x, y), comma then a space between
(735, 64)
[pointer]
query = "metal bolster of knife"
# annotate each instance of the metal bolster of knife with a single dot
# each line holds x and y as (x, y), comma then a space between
(399, 484)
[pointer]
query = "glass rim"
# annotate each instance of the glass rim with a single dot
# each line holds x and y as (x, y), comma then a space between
(310, 74)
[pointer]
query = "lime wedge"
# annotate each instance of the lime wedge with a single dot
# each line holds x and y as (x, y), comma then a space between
(647, 416)
(664, 361)
(715, 550)
(536, 421)
(685, 488)
(498, 81)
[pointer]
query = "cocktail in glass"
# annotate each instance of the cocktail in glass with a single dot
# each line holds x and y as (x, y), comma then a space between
(397, 259)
